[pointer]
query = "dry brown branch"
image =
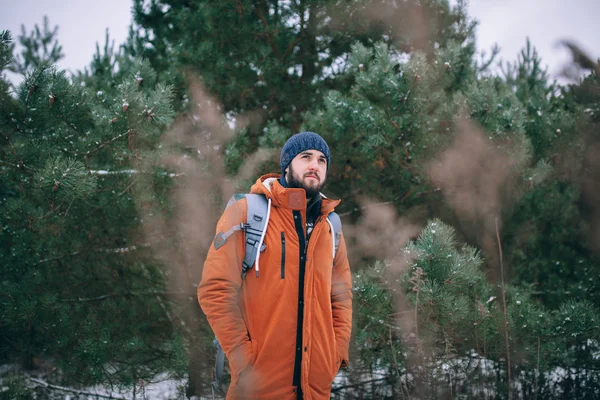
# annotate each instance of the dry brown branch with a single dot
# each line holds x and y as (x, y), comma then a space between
(263, 20)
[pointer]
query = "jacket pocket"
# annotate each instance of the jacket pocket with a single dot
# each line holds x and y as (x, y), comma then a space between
(282, 255)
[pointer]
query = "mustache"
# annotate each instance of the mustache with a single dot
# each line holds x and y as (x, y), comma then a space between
(313, 174)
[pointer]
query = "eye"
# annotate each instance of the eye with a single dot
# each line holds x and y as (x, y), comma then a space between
(322, 161)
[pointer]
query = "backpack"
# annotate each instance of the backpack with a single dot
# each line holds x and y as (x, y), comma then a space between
(255, 226)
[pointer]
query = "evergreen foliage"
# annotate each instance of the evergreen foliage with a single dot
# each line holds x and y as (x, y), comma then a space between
(400, 114)
(85, 298)
(295, 52)
(40, 47)
(5, 49)
(76, 292)
(451, 337)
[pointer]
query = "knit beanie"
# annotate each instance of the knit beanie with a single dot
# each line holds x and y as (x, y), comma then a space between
(300, 142)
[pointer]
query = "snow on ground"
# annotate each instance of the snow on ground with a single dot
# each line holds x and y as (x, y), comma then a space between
(457, 371)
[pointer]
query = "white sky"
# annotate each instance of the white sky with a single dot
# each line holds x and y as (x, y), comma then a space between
(509, 22)
(82, 23)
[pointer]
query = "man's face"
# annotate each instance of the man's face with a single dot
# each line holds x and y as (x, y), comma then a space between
(307, 170)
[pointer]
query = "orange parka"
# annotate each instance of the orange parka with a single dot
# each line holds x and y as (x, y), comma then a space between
(274, 335)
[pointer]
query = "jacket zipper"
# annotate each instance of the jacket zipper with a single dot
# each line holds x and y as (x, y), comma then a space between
(282, 255)
(302, 245)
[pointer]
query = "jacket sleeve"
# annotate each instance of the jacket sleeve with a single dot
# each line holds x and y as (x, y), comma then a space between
(341, 302)
(218, 292)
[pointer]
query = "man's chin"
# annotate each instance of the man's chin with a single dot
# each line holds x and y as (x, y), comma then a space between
(312, 185)
(312, 190)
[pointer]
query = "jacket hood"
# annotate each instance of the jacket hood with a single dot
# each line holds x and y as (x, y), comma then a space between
(294, 199)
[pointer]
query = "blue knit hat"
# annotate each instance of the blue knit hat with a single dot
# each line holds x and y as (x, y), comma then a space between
(300, 142)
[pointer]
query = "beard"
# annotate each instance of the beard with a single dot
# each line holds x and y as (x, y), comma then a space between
(311, 186)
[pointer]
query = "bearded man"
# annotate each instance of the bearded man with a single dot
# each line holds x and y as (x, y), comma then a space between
(286, 328)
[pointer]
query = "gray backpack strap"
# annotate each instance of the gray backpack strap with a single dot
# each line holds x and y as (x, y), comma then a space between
(255, 225)
(336, 224)
(234, 198)
(221, 237)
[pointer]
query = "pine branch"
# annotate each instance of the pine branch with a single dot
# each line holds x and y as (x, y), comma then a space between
(71, 390)
(32, 89)
(17, 126)
(486, 64)
(18, 165)
(406, 153)
(69, 123)
(103, 144)
(291, 46)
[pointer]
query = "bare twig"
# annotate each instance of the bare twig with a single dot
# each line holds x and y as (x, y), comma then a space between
(364, 207)
(150, 293)
(537, 373)
(506, 335)
(129, 186)
(117, 250)
(71, 390)
(399, 198)
(396, 199)
(340, 388)
(394, 353)
(402, 388)
(417, 280)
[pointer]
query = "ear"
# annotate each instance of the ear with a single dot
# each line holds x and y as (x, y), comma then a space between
(287, 170)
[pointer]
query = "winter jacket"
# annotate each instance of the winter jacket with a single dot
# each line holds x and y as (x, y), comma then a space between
(278, 330)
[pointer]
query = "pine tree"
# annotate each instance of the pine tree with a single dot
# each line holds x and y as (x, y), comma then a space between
(156, 198)
(435, 330)
(278, 59)
(398, 118)
(495, 297)
(546, 234)
(39, 47)
(80, 294)
(269, 56)
(394, 109)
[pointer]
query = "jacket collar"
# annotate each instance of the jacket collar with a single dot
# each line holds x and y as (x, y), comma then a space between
(293, 199)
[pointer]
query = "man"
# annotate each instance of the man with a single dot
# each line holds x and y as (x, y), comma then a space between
(285, 327)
